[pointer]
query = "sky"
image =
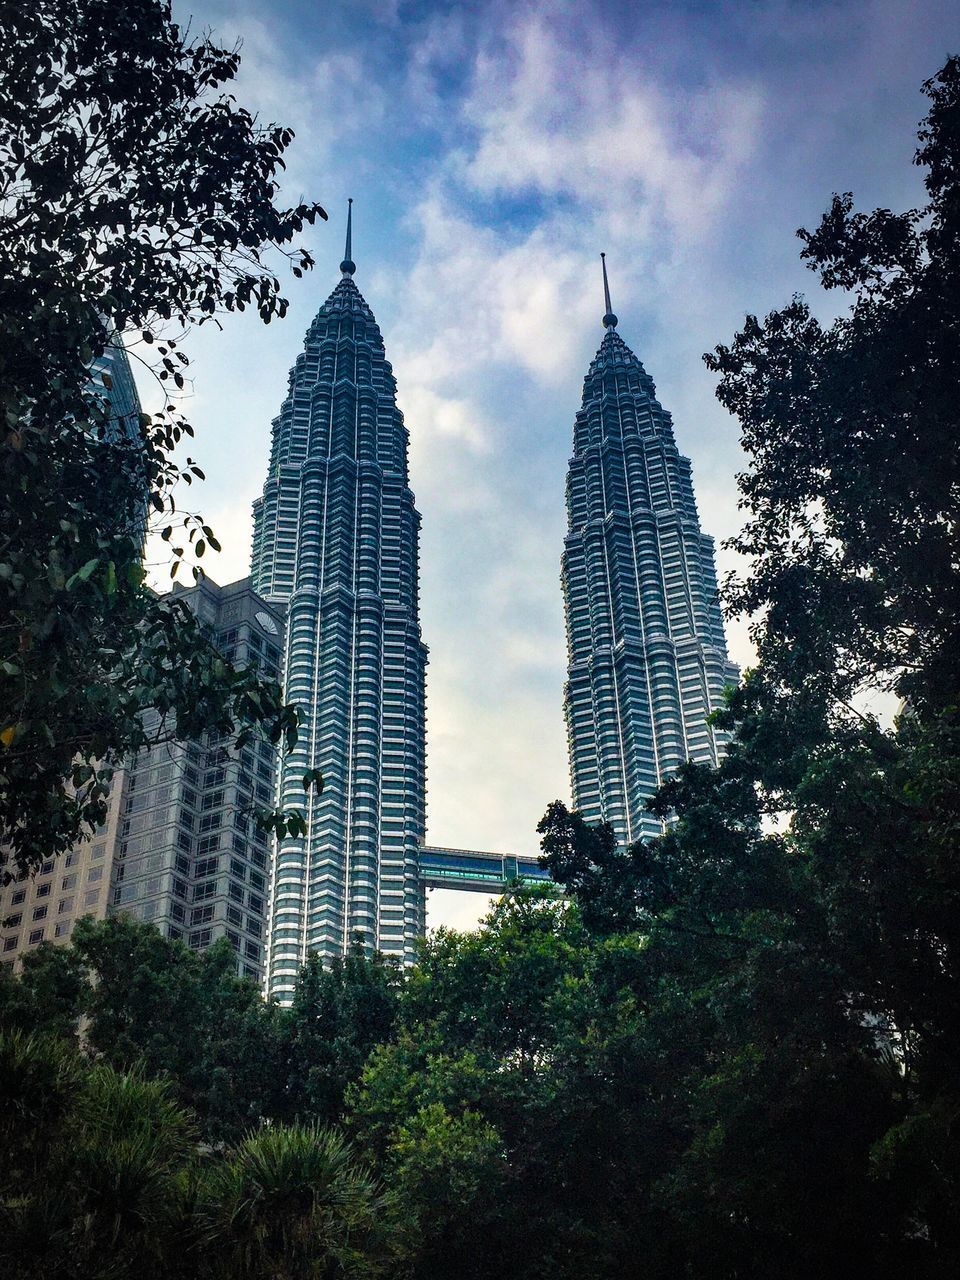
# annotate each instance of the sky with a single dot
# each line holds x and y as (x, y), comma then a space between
(492, 151)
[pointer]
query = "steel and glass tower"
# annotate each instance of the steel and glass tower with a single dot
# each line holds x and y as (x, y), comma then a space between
(336, 536)
(647, 659)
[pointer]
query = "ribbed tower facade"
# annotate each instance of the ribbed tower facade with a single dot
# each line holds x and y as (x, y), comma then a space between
(336, 536)
(647, 658)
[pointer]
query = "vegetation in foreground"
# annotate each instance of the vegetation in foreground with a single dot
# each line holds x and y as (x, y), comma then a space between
(138, 199)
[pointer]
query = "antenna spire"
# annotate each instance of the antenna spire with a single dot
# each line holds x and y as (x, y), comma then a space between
(348, 266)
(609, 319)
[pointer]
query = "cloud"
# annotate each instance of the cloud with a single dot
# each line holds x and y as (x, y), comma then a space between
(563, 120)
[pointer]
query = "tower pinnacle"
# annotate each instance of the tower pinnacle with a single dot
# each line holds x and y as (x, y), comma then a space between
(348, 266)
(609, 320)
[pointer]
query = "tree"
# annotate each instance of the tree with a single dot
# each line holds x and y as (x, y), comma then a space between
(154, 1004)
(293, 1203)
(853, 491)
(104, 1176)
(137, 199)
(47, 995)
(337, 1016)
(99, 1193)
(474, 1111)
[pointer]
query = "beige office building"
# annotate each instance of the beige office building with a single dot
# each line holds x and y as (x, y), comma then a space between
(179, 848)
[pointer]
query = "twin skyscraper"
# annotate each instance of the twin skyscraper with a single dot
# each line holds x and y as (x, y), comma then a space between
(336, 540)
(336, 547)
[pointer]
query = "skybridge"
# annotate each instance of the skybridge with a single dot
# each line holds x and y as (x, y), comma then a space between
(476, 871)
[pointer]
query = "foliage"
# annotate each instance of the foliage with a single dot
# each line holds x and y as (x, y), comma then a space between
(47, 994)
(853, 489)
(121, 1188)
(337, 1016)
(150, 1003)
(464, 1107)
(137, 198)
(184, 1014)
(295, 1202)
(104, 1197)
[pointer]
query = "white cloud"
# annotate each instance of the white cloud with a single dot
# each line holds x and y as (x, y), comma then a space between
(564, 120)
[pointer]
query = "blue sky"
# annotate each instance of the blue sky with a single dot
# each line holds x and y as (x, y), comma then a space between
(492, 151)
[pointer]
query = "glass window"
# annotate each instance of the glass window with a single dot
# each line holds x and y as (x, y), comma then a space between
(40, 913)
(10, 943)
(66, 904)
(94, 874)
(90, 897)
(69, 882)
(36, 935)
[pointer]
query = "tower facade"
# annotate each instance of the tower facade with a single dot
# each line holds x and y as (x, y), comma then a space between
(336, 536)
(647, 658)
(178, 847)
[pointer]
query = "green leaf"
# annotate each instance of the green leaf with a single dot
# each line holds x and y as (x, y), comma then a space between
(83, 574)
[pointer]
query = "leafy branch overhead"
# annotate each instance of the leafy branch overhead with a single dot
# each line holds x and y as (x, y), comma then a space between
(137, 199)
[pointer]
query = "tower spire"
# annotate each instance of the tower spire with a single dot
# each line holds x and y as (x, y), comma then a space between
(348, 266)
(609, 319)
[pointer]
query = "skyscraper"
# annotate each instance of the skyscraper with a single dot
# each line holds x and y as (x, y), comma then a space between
(336, 538)
(178, 847)
(647, 659)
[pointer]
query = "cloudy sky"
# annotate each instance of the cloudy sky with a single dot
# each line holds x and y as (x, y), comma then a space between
(492, 151)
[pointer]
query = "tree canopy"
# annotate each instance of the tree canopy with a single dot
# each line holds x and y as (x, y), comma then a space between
(138, 198)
